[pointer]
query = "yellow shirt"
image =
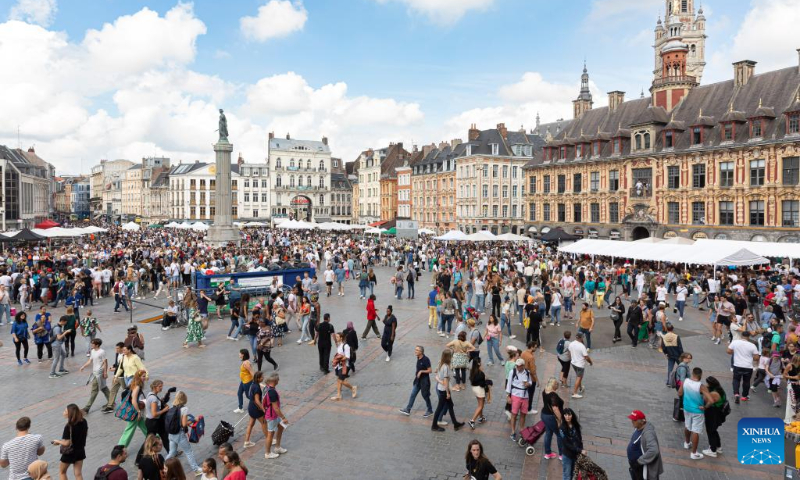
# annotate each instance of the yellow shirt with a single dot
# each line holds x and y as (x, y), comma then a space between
(587, 318)
(131, 364)
(244, 374)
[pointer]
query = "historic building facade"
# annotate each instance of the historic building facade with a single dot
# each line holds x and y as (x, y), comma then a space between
(377, 182)
(106, 188)
(299, 179)
(193, 189)
(697, 161)
(433, 187)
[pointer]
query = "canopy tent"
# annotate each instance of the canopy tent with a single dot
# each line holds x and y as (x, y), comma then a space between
(678, 241)
(47, 224)
(742, 258)
(699, 253)
(558, 235)
(173, 225)
(358, 227)
(155, 225)
(297, 225)
(131, 226)
(331, 226)
(254, 224)
(200, 226)
(60, 232)
(425, 231)
(648, 240)
(452, 235)
(26, 235)
(375, 231)
(6, 239)
(765, 249)
(512, 237)
(482, 236)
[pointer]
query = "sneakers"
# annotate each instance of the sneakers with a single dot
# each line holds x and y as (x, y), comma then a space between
(577, 395)
(238, 410)
(437, 429)
(27, 361)
(696, 456)
(249, 444)
(489, 363)
(471, 424)
(512, 337)
(482, 419)
(279, 450)
(19, 362)
(736, 399)
(388, 358)
(271, 455)
(744, 399)
(533, 411)
(513, 437)
(63, 372)
(687, 445)
(709, 453)
(427, 414)
(442, 423)
(717, 342)
(405, 412)
(550, 456)
(53, 375)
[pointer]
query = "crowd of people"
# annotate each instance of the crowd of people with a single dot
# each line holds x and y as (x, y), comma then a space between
(476, 293)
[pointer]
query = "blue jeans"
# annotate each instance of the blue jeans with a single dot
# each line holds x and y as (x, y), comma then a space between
(398, 292)
(410, 290)
(5, 311)
(253, 345)
(680, 305)
(505, 322)
(493, 344)
(587, 335)
(670, 364)
(426, 395)
(480, 302)
(469, 299)
(244, 391)
(118, 300)
(567, 304)
(555, 313)
(237, 326)
(363, 290)
(446, 324)
(551, 426)
(696, 300)
(180, 441)
(520, 313)
(371, 288)
(567, 468)
(304, 334)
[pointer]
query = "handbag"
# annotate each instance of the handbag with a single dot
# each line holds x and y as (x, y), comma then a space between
(67, 449)
(460, 360)
(126, 411)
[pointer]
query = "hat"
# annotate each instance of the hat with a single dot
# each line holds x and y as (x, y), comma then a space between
(520, 362)
(636, 415)
(512, 348)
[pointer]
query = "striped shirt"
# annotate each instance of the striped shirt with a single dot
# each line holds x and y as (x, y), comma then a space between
(20, 453)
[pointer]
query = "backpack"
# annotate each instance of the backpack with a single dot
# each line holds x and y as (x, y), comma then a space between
(560, 346)
(726, 410)
(173, 420)
(197, 428)
(103, 473)
(269, 412)
(116, 287)
(672, 380)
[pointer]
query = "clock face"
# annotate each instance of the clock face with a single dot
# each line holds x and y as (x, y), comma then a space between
(212, 169)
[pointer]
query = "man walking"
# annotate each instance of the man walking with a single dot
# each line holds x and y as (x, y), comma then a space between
(432, 316)
(635, 319)
(579, 358)
(744, 354)
(644, 456)
(120, 289)
(517, 385)
(673, 348)
(323, 339)
(58, 334)
(695, 397)
(389, 330)
(530, 366)
(422, 383)
(116, 382)
(21, 451)
(99, 363)
(586, 324)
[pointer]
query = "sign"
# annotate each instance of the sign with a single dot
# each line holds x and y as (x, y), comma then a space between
(258, 281)
(299, 200)
(760, 441)
(699, 235)
(670, 234)
(407, 228)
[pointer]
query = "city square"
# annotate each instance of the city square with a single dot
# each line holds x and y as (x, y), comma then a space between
(454, 267)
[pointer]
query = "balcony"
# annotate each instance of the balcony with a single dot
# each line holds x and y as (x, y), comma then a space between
(674, 79)
(644, 192)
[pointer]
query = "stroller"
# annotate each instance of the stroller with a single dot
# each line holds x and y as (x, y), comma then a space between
(529, 436)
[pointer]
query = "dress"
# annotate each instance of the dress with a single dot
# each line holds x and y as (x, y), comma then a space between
(77, 433)
(194, 330)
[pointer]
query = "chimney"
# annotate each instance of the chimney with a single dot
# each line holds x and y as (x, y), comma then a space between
(474, 133)
(324, 140)
(615, 99)
(742, 71)
(416, 149)
(240, 160)
(288, 137)
(455, 142)
(501, 127)
(443, 145)
(31, 150)
(399, 145)
(426, 149)
(271, 135)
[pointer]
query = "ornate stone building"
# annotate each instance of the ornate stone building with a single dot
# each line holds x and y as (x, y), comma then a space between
(699, 161)
(433, 188)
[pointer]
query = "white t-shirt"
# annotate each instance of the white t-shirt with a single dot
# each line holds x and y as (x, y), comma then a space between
(681, 293)
(577, 352)
(478, 286)
(329, 276)
(743, 352)
(20, 453)
(98, 357)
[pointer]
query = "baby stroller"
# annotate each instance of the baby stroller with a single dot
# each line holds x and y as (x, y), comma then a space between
(529, 436)
(472, 313)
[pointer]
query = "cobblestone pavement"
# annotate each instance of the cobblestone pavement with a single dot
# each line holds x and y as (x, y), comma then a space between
(366, 437)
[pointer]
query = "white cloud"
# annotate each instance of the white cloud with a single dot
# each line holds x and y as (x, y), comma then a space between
(444, 12)
(39, 12)
(278, 18)
(768, 35)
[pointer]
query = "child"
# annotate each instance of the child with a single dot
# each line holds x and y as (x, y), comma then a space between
(761, 373)
(209, 468)
(89, 329)
(774, 378)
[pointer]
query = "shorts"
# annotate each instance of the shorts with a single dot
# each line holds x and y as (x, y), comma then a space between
(564, 367)
(721, 319)
(695, 422)
(519, 405)
(330, 284)
(578, 371)
(272, 425)
(479, 392)
(773, 387)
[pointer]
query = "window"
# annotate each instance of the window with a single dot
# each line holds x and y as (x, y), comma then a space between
(505, 191)
(757, 172)
(494, 191)
(757, 212)
(247, 184)
(485, 191)
(793, 123)
(291, 163)
(494, 210)
(726, 174)
(495, 150)
(562, 212)
(562, 183)
(726, 213)
(532, 212)
(505, 211)
(513, 211)
(577, 210)
(616, 146)
(547, 184)
(668, 139)
(495, 170)
(596, 149)
(577, 180)
(673, 213)
(300, 181)
(673, 177)
(546, 212)
(513, 191)
(278, 181)
(755, 128)
(594, 211)
(514, 172)
(532, 187)
(613, 180)
(698, 175)
(698, 213)
(246, 197)
(638, 141)
(263, 198)
(697, 135)
(321, 182)
(505, 171)
(613, 212)
(727, 131)
(791, 213)
(594, 181)
(791, 169)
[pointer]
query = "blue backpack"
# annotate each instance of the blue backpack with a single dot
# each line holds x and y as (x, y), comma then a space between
(197, 428)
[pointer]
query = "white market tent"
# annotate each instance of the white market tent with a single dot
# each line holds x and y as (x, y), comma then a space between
(512, 237)
(131, 226)
(373, 231)
(452, 235)
(254, 224)
(765, 249)
(199, 226)
(331, 226)
(358, 227)
(482, 236)
(297, 225)
(425, 231)
(173, 225)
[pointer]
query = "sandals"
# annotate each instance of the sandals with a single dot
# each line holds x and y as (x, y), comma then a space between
(355, 390)
(335, 397)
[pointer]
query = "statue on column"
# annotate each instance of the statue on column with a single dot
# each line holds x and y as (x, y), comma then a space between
(223, 127)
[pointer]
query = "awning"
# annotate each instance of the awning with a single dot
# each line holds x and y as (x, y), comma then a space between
(47, 224)
(377, 224)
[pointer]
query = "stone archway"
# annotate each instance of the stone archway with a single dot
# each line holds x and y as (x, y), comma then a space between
(301, 205)
(639, 233)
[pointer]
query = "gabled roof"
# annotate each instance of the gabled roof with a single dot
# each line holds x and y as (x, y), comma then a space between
(313, 146)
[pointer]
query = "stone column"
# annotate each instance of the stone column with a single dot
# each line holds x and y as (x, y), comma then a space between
(222, 232)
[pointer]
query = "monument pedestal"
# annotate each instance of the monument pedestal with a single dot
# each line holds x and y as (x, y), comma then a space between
(222, 233)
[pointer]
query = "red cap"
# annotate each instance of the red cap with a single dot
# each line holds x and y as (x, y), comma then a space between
(636, 415)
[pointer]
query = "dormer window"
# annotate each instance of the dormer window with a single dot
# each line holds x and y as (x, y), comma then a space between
(563, 153)
(728, 131)
(616, 146)
(642, 140)
(669, 139)
(469, 150)
(756, 127)
(495, 148)
(596, 149)
(793, 123)
(697, 135)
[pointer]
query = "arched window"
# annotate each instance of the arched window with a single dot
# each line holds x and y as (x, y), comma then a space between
(322, 165)
(291, 163)
(278, 181)
(278, 162)
(308, 164)
(291, 180)
(638, 141)
(300, 181)
(308, 179)
(646, 140)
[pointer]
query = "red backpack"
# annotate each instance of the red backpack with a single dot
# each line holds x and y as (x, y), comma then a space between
(270, 411)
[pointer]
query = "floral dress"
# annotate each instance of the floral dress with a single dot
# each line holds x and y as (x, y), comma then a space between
(194, 330)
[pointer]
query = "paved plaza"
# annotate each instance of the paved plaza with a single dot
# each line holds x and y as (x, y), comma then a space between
(367, 437)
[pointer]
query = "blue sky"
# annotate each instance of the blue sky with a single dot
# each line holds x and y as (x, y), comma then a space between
(363, 72)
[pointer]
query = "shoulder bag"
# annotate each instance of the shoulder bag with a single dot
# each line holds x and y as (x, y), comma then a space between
(67, 449)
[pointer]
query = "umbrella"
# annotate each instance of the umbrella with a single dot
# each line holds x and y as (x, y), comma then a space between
(452, 235)
(47, 224)
(426, 231)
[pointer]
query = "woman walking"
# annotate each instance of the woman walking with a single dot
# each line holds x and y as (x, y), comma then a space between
(251, 331)
(245, 378)
(219, 301)
(265, 343)
(305, 315)
(89, 328)
(714, 416)
(194, 330)
(460, 359)
(154, 410)
(372, 316)
(617, 314)
(234, 322)
(389, 331)
(341, 363)
(73, 442)
(478, 466)
(236, 469)
(151, 465)
(481, 387)
(443, 393)
(41, 334)
(255, 409)
(555, 307)
(572, 443)
(494, 338)
(180, 440)
(136, 399)
(19, 333)
(552, 406)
